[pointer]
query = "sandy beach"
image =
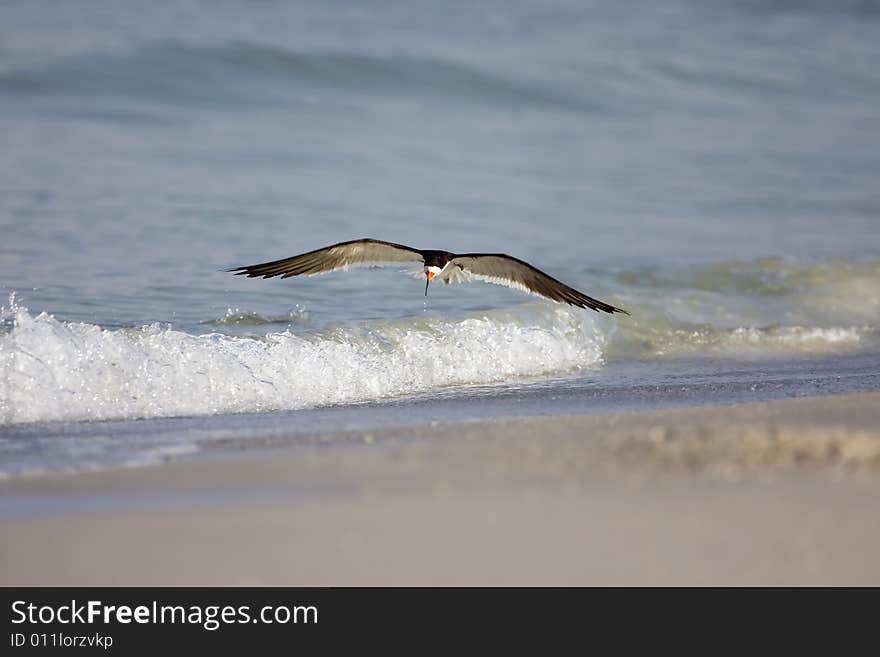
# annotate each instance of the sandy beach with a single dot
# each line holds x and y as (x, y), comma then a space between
(777, 493)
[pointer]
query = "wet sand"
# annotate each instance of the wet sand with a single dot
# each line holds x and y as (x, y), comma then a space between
(782, 492)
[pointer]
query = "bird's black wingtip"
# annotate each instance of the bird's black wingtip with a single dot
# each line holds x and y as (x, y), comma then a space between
(606, 308)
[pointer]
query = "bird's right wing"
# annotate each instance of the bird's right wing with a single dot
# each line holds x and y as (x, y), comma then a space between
(336, 256)
(503, 269)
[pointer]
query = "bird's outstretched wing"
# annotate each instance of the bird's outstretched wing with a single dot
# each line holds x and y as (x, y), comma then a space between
(506, 270)
(336, 256)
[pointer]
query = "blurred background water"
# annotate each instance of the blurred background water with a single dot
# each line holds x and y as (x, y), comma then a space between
(710, 166)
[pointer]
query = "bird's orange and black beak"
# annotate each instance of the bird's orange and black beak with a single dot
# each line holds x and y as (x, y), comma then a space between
(428, 276)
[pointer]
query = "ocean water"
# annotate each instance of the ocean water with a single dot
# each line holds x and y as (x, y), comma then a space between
(712, 167)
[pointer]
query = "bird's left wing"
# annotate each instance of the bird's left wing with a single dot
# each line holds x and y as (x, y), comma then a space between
(506, 270)
(336, 256)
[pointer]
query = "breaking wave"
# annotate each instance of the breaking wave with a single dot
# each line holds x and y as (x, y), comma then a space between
(55, 370)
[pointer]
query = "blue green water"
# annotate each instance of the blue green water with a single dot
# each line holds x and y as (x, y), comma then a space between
(710, 166)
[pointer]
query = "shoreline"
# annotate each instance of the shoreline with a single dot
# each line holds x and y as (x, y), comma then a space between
(624, 388)
(779, 492)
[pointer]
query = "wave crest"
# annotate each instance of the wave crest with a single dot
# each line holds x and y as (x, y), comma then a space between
(265, 76)
(54, 370)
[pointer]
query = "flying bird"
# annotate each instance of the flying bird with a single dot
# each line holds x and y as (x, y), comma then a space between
(497, 268)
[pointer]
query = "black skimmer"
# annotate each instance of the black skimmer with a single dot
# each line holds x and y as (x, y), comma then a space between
(495, 268)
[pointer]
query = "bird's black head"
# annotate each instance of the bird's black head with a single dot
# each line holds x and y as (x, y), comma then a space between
(435, 262)
(436, 258)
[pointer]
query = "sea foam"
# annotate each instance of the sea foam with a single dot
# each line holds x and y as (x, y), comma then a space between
(56, 370)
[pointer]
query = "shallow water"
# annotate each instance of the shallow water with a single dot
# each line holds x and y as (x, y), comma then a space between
(711, 167)
(28, 448)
